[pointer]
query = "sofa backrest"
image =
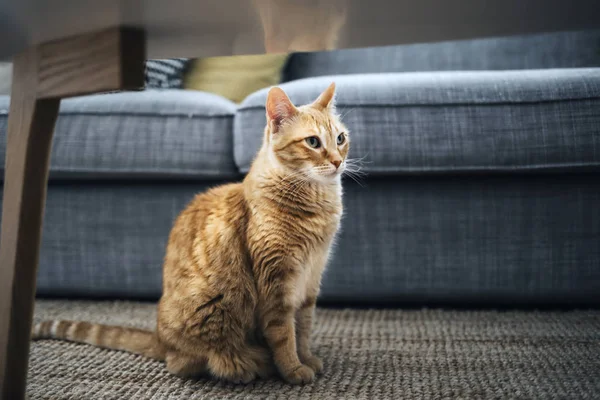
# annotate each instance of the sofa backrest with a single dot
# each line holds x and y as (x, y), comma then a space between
(550, 50)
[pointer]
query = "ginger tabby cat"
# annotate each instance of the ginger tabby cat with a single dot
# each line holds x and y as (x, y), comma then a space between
(244, 261)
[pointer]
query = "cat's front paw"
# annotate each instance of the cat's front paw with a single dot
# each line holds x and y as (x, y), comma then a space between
(313, 362)
(300, 375)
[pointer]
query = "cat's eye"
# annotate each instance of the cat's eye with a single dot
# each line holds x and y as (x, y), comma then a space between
(313, 142)
(341, 139)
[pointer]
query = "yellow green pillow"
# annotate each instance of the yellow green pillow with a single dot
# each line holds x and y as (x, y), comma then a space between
(235, 77)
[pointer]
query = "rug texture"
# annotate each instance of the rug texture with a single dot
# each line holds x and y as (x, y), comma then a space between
(368, 354)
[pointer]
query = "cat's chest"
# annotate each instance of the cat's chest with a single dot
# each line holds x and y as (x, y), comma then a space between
(314, 260)
(307, 281)
(299, 245)
(295, 241)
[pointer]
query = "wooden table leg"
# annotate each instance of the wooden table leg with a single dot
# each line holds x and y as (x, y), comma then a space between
(101, 61)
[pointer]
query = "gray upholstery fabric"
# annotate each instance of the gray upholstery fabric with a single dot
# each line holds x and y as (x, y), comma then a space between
(108, 238)
(453, 121)
(550, 50)
(166, 133)
(469, 240)
(367, 354)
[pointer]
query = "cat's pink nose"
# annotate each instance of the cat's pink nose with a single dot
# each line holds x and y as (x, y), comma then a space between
(336, 163)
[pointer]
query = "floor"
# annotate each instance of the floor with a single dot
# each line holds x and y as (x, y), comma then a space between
(368, 354)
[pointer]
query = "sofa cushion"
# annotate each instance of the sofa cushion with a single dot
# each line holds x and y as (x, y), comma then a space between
(147, 134)
(453, 121)
(470, 240)
(577, 49)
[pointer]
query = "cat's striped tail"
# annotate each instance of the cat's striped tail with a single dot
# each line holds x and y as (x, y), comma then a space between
(132, 340)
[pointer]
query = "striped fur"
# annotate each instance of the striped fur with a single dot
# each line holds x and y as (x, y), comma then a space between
(132, 340)
(244, 261)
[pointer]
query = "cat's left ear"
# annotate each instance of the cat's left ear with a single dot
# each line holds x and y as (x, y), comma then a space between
(327, 98)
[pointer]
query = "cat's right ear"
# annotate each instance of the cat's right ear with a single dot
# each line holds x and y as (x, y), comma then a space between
(279, 109)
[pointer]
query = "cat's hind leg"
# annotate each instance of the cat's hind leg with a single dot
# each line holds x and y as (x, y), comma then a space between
(241, 364)
(220, 328)
(185, 366)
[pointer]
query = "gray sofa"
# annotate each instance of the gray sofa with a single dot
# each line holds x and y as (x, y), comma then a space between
(483, 163)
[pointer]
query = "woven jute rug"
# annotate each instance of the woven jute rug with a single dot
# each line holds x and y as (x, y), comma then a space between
(368, 354)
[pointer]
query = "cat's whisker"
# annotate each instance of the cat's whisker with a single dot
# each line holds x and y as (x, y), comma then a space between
(358, 158)
(356, 176)
(356, 180)
(354, 168)
(357, 171)
(346, 112)
(358, 162)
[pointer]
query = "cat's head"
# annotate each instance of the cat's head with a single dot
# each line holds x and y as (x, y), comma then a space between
(310, 140)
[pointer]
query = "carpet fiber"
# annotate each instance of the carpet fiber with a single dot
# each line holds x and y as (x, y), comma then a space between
(368, 354)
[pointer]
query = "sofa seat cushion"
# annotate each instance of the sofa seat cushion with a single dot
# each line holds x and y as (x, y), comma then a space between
(147, 134)
(451, 122)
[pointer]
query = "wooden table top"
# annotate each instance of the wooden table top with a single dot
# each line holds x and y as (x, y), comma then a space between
(196, 28)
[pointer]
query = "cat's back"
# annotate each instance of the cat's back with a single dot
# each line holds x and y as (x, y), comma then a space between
(225, 202)
(213, 219)
(213, 213)
(207, 282)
